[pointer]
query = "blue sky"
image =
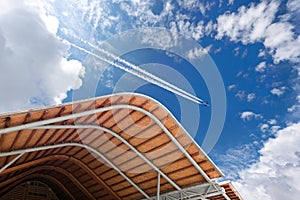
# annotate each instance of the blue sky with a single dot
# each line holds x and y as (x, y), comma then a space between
(254, 46)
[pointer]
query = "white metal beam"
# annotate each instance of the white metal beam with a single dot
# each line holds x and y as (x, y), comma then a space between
(158, 186)
(226, 196)
(11, 162)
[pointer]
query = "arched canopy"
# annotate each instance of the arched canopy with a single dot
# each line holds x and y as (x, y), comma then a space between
(121, 146)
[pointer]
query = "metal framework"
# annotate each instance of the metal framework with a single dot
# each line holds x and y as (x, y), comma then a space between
(203, 191)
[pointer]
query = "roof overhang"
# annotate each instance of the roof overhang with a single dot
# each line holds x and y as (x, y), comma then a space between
(120, 146)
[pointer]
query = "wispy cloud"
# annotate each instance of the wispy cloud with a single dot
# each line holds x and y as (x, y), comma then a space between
(241, 94)
(272, 121)
(261, 53)
(269, 128)
(193, 5)
(264, 127)
(261, 67)
(198, 52)
(248, 24)
(230, 2)
(248, 115)
(295, 108)
(231, 87)
(256, 24)
(278, 91)
(251, 97)
(237, 158)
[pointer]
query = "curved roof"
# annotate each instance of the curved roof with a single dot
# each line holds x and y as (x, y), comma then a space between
(121, 146)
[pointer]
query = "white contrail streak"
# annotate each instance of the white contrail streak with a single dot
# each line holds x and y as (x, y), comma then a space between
(158, 81)
(133, 72)
(137, 68)
(144, 72)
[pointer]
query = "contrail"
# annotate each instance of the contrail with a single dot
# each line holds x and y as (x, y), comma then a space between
(137, 71)
(137, 68)
(144, 72)
(132, 72)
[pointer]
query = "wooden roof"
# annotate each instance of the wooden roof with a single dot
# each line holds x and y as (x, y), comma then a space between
(231, 192)
(66, 153)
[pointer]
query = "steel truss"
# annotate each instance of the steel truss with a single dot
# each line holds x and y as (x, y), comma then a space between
(202, 191)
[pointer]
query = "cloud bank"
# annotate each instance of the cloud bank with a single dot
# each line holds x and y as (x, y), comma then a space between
(276, 175)
(34, 68)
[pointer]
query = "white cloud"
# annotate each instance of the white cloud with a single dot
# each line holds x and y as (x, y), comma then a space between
(296, 107)
(140, 9)
(218, 50)
(261, 67)
(34, 67)
(256, 24)
(51, 23)
(276, 174)
(240, 73)
(278, 91)
(262, 53)
(241, 94)
(231, 87)
(91, 19)
(192, 5)
(282, 43)
(230, 2)
(237, 158)
(236, 51)
(274, 129)
(189, 29)
(210, 26)
(264, 127)
(293, 108)
(249, 24)
(293, 6)
(248, 115)
(198, 52)
(160, 38)
(269, 127)
(272, 121)
(282, 33)
(244, 54)
(251, 97)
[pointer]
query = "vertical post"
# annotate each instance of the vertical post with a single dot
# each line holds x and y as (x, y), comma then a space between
(158, 185)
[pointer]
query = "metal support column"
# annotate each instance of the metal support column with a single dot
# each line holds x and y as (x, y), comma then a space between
(158, 185)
